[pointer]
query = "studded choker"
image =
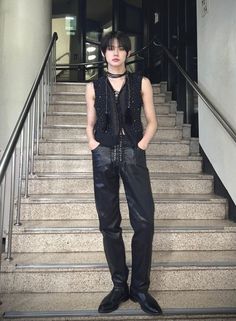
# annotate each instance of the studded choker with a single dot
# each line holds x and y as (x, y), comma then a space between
(111, 75)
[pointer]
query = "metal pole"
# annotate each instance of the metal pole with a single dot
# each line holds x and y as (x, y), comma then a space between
(41, 108)
(54, 65)
(11, 214)
(50, 78)
(18, 205)
(38, 120)
(44, 97)
(32, 138)
(2, 209)
(47, 86)
(27, 157)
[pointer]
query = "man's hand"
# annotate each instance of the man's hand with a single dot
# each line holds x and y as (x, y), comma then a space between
(142, 144)
(93, 144)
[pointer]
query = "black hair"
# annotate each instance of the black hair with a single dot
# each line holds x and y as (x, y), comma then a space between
(121, 37)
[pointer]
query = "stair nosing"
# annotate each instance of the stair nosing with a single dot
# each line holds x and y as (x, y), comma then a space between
(85, 175)
(155, 266)
(124, 312)
(163, 229)
(148, 157)
(158, 198)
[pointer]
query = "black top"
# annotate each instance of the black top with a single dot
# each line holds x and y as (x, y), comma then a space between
(118, 112)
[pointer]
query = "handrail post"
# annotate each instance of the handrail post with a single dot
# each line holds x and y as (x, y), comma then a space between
(27, 158)
(2, 209)
(44, 96)
(200, 93)
(37, 120)
(18, 204)
(41, 108)
(27, 129)
(11, 214)
(32, 138)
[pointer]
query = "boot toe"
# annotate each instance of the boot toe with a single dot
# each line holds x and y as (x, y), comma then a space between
(113, 300)
(147, 303)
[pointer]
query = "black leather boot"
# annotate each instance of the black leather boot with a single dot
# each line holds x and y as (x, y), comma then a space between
(147, 303)
(112, 301)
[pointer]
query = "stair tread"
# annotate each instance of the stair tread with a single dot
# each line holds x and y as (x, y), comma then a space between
(75, 113)
(63, 126)
(48, 198)
(185, 258)
(79, 140)
(160, 225)
(174, 259)
(88, 157)
(166, 104)
(85, 83)
(85, 304)
(63, 83)
(88, 175)
(60, 93)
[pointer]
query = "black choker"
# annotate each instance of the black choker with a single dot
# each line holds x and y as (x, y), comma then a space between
(110, 75)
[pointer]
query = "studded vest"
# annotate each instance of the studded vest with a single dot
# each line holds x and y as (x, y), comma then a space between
(118, 112)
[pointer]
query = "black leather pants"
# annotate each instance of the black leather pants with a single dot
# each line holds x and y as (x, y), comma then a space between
(109, 164)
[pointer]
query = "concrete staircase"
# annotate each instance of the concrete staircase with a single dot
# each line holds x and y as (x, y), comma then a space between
(59, 270)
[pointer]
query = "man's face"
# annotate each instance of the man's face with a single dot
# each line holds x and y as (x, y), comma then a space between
(115, 54)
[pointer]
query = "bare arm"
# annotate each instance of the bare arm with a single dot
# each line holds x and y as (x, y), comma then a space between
(149, 111)
(91, 116)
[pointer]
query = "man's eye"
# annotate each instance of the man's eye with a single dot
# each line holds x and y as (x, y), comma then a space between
(110, 48)
(122, 48)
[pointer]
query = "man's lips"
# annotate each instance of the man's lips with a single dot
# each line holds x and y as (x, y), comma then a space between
(115, 59)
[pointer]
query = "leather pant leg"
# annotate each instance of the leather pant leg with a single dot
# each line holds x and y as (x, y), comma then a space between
(138, 191)
(106, 187)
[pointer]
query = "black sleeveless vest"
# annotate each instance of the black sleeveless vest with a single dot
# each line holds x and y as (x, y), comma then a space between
(114, 114)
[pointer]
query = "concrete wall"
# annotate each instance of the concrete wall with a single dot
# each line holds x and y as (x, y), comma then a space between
(25, 32)
(217, 78)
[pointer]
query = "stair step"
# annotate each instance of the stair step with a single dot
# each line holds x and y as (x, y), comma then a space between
(77, 118)
(90, 277)
(81, 206)
(59, 271)
(81, 235)
(76, 147)
(80, 87)
(81, 260)
(161, 108)
(178, 305)
(83, 163)
(80, 96)
(76, 131)
(82, 182)
(77, 87)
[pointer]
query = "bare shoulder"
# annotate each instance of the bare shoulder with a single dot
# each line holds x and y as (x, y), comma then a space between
(90, 90)
(89, 86)
(146, 85)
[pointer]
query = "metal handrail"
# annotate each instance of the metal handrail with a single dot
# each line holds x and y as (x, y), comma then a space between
(84, 64)
(62, 56)
(198, 90)
(23, 144)
(193, 84)
(21, 120)
(102, 62)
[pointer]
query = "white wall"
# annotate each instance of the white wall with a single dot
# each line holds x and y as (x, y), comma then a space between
(217, 78)
(63, 42)
(25, 32)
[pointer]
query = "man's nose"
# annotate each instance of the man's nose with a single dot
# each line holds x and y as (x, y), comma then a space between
(116, 50)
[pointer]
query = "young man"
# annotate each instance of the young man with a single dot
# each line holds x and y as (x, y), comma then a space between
(118, 144)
